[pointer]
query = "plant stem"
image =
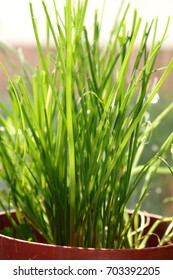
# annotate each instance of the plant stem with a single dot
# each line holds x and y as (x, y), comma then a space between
(69, 115)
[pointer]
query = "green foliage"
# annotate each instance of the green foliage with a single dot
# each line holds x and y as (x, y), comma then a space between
(71, 143)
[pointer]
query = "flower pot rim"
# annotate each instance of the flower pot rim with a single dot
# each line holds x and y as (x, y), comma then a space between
(151, 215)
(83, 248)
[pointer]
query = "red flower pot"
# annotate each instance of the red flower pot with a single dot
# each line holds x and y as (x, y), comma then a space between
(16, 249)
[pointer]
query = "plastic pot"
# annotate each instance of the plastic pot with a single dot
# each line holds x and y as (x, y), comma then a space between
(16, 249)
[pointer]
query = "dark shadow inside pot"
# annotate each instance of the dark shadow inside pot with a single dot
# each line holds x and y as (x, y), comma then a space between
(6, 223)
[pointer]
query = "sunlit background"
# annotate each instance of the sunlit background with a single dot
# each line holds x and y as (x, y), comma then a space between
(15, 20)
(16, 30)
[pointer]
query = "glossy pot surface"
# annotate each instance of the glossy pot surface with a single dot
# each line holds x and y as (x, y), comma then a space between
(16, 249)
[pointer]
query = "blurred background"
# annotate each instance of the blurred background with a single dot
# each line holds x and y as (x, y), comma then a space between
(16, 31)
